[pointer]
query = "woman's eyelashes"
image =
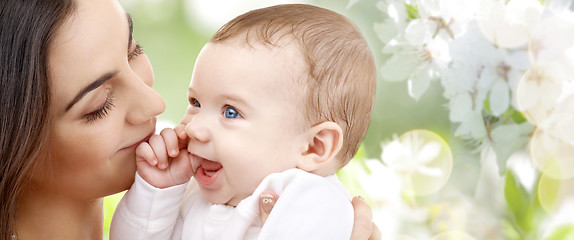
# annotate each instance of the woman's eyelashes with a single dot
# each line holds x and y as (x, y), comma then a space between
(138, 50)
(108, 105)
(102, 111)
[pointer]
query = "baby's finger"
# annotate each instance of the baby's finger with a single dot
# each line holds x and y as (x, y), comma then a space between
(182, 135)
(158, 146)
(180, 131)
(145, 153)
(171, 142)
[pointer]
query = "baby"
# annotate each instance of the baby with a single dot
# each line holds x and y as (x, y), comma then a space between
(280, 99)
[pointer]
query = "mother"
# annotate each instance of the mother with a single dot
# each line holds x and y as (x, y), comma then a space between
(75, 101)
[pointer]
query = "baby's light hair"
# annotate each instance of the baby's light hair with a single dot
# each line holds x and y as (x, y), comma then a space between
(341, 81)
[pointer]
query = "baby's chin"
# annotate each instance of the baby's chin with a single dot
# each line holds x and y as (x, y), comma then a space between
(215, 198)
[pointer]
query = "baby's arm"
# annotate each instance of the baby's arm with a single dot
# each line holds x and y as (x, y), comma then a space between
(147, 213)
(150, 209)
(164, 161)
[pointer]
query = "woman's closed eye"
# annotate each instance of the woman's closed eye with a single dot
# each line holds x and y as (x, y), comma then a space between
(102, 111)
(231, 113)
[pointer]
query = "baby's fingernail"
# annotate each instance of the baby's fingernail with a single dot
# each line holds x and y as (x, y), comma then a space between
(267, 202)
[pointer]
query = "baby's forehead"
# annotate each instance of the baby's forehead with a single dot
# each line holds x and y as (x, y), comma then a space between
(280, 41)
(282, 37)
(278, 68)
(286, 52)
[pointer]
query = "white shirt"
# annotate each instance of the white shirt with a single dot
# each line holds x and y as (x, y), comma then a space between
(309, 207)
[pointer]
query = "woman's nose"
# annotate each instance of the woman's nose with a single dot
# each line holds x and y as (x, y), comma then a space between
(197, 129)
(146, 103)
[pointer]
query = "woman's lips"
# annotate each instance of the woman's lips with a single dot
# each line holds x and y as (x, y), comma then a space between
(138, 143)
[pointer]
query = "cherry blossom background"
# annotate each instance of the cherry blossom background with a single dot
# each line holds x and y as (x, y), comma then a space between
(505, 69)
(472, 135)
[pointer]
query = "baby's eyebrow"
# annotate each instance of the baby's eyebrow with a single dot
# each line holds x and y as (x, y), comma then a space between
(235, 98)
(190, 94)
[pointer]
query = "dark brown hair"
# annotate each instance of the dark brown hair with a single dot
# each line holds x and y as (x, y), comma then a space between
(341, 81)
(26, 28)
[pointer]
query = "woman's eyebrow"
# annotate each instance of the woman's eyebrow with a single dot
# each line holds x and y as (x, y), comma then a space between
(101, 80)
(95, 84)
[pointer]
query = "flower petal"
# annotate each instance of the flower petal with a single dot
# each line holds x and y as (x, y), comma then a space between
(499, 97)
(399, 67)
(428, 152)
(419, 83)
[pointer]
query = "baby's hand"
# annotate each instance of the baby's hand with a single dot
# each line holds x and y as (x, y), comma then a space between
(165, 161)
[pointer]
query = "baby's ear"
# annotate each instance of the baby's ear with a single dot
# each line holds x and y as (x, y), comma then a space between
(324, 141)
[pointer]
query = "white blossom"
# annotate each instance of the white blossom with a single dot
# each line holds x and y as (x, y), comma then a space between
(410, 156)
(500, 62)
(421, 158)
(508, 24)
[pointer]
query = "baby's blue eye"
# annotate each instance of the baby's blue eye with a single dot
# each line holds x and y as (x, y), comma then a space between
(230, 112)
(194, 102)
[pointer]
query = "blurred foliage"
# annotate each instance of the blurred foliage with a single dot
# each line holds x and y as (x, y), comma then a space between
(525, 211)
(110, 203)
(562, 233)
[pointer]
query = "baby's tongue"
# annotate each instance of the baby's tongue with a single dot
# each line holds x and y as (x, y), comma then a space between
(210, 167)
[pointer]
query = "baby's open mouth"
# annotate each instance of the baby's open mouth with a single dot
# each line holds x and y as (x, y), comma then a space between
(207, 172)
(210, 167)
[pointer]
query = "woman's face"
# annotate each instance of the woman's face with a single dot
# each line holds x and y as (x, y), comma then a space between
(102, 102)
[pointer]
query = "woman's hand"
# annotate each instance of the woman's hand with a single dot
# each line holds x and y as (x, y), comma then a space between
(363, 227)
(266, 202)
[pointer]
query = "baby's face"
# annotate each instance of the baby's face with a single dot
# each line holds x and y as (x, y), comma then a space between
(244, 119)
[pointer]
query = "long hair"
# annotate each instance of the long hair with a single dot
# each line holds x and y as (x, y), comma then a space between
(26, 28)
